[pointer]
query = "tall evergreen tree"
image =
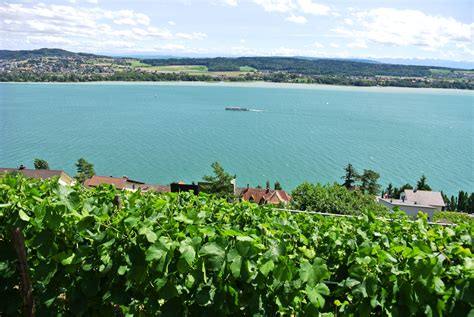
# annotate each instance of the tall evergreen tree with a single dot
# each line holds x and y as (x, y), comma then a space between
(470, 204)
(277, 186)
(398, 191)
(462, 201)
(422, 185)
(85, 170)
(267, 185)
(453, 203)
(350, 177)
(41, 164)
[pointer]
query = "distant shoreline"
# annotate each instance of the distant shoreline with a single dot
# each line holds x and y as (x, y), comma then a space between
(255, 84)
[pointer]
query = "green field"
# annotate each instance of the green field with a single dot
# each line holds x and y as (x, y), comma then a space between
(177, 68)
(135, 64)
(247, 69)
(440, 71)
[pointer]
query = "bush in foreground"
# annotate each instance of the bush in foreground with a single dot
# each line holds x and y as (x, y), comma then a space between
(179, 254)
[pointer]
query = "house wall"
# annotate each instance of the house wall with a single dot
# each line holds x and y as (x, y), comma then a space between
(66, 180)
(411, 211)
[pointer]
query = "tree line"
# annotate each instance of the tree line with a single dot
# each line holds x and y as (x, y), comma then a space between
(271, 76)
(365, 183)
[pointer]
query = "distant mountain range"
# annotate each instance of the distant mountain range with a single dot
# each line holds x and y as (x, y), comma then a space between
(428, 62)
(55, 52)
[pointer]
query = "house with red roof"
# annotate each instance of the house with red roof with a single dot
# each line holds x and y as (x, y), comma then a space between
(263, 196)
(124, 183)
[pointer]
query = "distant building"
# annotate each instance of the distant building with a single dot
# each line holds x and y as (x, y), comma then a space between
(424, 197)
(156, 188)
(263, 196)
(124, 183)
(63, 178)
(414, 201)
(182, 187)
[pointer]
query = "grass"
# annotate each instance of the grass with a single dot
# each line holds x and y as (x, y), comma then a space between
(440, 71)
(247, 69)
(135, 64)
(178, 68)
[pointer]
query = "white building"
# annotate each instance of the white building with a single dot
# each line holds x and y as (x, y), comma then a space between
(414, 201)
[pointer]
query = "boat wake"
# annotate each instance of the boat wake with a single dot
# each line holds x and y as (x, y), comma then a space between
(242, 109)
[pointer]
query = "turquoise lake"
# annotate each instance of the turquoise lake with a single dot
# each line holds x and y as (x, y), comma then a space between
(159, 133)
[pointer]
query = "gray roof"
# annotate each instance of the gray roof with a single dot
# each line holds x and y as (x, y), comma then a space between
(44, 174)
(424, 197)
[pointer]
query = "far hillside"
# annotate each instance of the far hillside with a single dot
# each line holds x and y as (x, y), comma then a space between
(302, 66)
(57, 65)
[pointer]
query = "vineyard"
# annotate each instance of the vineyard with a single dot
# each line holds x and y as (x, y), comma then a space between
(91, 252)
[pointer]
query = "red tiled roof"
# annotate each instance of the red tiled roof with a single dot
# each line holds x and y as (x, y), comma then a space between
(264, 196)
(118, 182)
(157, 188)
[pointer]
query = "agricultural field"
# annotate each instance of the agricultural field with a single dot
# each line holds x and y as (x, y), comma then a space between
(247, 69)
(185, 255)
(191, 69)
(176, 68)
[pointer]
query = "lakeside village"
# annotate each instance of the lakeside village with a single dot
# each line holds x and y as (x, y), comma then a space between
(306, 196)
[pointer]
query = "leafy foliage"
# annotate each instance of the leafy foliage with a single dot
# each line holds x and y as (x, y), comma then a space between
(41, 164)
(368, 182)
(464, 202)
(85, 170)
(453, 216)
(186, 255)
(333, 199)
(220, 184)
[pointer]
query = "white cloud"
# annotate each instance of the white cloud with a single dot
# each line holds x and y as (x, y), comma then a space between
(77, 27)
(172, 23)
(276, 5)
(296, 8)
(50, 40)
(389, 26)
(317, 45)
(93, 1)
(156, 32)
(466, 48)
(308, 6)
(299, 19)
(348, 21)
(334, 45)
(191, 36)
(358, 44)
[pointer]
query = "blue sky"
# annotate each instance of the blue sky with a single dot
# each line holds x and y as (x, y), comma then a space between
(364, 29)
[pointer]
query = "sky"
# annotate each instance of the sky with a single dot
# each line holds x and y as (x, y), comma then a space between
(428, 29)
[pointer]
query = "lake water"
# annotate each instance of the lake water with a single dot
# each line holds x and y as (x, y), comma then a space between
(160, 133)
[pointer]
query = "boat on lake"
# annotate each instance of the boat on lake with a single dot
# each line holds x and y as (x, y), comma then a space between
(237, 109)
